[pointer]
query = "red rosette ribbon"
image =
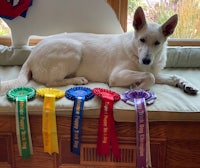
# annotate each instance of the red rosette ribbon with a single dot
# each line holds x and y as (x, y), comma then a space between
(8, 11)
(106, 129)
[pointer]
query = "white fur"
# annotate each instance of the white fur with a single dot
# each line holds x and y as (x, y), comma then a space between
(129, 59)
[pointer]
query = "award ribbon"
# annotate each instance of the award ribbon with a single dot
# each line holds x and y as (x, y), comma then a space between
(106, 130)
(79, 95)
(20, 95)
(23, 128)
(142, 124)
(49, 129)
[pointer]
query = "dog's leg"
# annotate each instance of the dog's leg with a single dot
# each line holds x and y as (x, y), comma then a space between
(135, 79)
(69, 81)
(177, 81)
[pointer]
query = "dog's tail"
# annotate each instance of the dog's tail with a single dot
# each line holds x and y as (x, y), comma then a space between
(21, 80)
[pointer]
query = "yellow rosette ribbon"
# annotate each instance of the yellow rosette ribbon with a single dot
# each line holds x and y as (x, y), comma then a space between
(49, 128)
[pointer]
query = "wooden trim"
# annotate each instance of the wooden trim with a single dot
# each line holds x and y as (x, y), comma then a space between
(5, 40)
(121, 8)
(173, 144)
(184, 42)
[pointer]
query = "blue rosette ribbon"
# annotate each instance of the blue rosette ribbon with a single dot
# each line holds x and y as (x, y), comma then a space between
(141, 98)
(79, 95)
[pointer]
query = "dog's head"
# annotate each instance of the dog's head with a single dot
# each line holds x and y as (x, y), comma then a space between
(151, 37)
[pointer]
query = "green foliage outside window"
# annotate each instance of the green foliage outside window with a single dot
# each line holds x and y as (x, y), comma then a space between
(4, 30)
(188, 12)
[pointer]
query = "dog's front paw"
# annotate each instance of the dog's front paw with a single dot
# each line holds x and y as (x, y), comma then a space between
(80, 81)
(187, 87)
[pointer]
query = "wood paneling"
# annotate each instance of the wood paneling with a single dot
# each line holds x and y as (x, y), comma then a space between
(173, 144)
(6, 150)
(121, 8)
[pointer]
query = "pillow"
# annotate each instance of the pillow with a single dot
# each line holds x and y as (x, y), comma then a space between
(177, 57)
(14, 56)
(183, 57)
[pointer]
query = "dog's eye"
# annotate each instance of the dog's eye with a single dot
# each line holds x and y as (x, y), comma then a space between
(142, 40)
(157, 43)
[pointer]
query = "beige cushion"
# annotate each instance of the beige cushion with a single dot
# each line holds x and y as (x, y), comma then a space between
(172, 104)
(179, 57)
(183, 57)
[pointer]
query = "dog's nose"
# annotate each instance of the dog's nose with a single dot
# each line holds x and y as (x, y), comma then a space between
(146, 61)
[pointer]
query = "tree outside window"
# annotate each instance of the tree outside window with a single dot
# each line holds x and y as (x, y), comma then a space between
(160, 10)
(4, 29)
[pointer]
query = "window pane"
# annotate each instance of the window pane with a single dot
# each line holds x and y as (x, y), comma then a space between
(4, 29)
(160, 10)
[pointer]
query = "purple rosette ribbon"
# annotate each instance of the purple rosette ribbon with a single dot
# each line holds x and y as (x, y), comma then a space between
(139, 99)
(128, 96)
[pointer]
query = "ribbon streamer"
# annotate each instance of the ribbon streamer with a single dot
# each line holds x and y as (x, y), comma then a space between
(141, 127)
(106, 130)
(22, 128)
(20, 96)
(49, 128)
(137, 98)
(79, 95)
(76, 124)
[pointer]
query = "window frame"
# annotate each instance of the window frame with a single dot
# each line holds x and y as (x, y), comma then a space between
(120, 8)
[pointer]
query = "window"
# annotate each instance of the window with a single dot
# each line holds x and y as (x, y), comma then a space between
(187, 31)
(4, 29)
(160, 10)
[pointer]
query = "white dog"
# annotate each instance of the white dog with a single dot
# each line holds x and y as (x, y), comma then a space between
(130, 59)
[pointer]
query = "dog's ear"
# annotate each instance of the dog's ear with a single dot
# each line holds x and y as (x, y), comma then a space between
(169, 26)
(139, 20)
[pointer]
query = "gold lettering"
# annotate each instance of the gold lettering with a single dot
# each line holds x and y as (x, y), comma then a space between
(105, 138)
(76, 134)
(141, 145)
(76, 138)
(76, 122)
(24, 145)
(105, 135)
(78, 106)
(141, 128)
(106, 107)
(105, 121)
(23, 135)
(21, 122)
(21, 106)
(75, 144)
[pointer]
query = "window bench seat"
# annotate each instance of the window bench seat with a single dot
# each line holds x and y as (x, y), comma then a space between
(171, 104)
(174, 128)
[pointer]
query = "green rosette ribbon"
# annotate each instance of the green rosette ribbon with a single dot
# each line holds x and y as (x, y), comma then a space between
(21, 96)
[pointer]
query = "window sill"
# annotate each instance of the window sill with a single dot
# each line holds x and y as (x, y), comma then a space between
(6, 40)
(184, 42)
